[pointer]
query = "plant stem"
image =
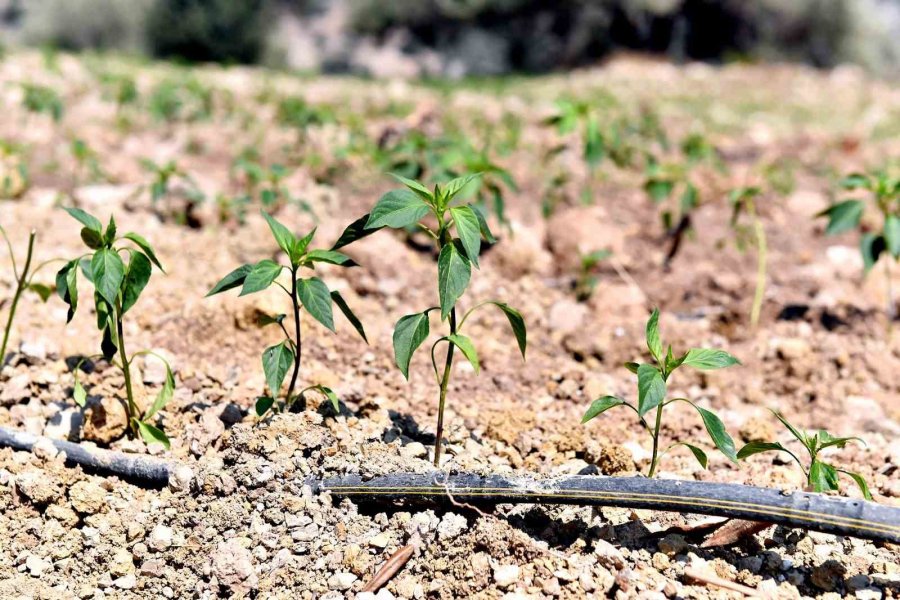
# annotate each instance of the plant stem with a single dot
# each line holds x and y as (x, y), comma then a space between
(761, 257)
(298, 346)
(131, 406)
(655, 458)
(20, 287)
(445, 380)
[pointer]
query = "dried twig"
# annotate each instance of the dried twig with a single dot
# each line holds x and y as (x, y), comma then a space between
(734, 531)
(709, 578)
(390, 568)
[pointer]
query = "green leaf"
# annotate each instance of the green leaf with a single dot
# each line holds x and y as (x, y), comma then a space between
(108, 271)
(263, 404)
(708, 359)
(234, 279)
(594, 148)
(110, 236)
(92, 239)
(483, 226)
(823, 477)
(78, 394)
(415, 186)
(716, 430)
(332, 397)
(632, 366)
(89, 221)
(469, 230)
(699, 454)
(842, 216)
(354, 231)
(165, 393)
(136, 278)
(397, 209)
(826, 440)
(151, 434)
(331, 257)
(892, 235)
(752, 448)
(409, 333)
(855, 181)
(799, 435)
(468, 349)
(107, 346)
(651, 388)
(601, 405)
(302, 244)
(145, 247)
(658, 189)
(261, 276)
(43, 291)
(66, 286)
(454, 272)
(871, 246)
(516, 322)
(283, 236)
(276, 361)
(345, 308)
(316, 298)
(652, 335)
(264, 320)
(455, 186)
(860, 482)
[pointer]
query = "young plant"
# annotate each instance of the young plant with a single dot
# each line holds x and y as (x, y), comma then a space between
(820, 476)
(743, 201)
(652, 383)
(24, 282)
(411, 206)
(164, 178)
(884, 192)
(117, 288)
(87, 161)
(587, 280)
(42, 99)
(310, 293)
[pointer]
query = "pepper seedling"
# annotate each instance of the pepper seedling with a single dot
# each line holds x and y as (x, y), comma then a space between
(743, 201)
(820, 476)
(409, 207)
(24, 282)
(117, 287)
(311, 293)
(652, 383)
(884, 191)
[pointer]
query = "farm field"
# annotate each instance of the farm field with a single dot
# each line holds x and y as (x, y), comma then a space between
(610, 191)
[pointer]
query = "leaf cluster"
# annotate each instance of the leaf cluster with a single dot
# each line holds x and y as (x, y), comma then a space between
(118, 285)
(652, 383)
(884, 191)
(821, 476)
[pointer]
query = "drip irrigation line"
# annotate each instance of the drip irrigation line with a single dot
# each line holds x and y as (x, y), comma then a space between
(817, 512)
(138, 469)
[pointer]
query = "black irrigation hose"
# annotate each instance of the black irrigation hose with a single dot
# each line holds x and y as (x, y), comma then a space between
(829, 514)
(140, 469)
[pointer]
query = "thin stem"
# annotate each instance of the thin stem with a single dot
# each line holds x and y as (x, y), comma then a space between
(761, 257)
(891, 313)
(133, 412)
(298, 344)
(12, 254)
(655, 460)
(445, 380)
(20, 287)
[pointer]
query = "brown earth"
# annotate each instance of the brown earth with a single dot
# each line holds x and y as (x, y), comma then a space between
(246, 524)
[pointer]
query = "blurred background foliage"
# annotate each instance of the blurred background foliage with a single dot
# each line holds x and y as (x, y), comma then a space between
(464, 37)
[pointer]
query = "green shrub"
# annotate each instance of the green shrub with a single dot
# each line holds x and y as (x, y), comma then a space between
(86, 24)
(207, 30)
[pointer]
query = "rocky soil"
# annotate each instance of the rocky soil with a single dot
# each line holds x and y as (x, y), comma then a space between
(239, 519)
